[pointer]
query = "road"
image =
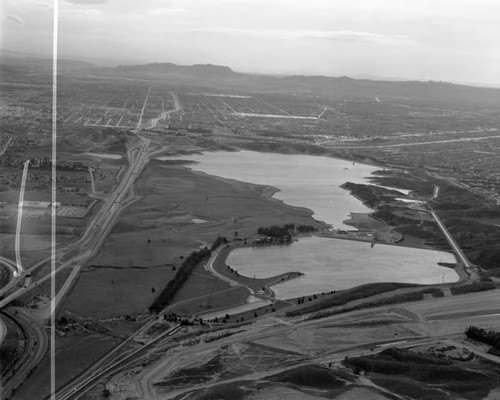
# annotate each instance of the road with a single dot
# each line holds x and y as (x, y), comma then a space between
(77, 389)
(143, 108)
(435, 194)
(376, 146)
(154, 121)
(35, 347)
(209, 266)
(457, 250)
(3, 331)
(17, 246)
(77, 254)
(11, 265)
(6, 147)
(419, 331)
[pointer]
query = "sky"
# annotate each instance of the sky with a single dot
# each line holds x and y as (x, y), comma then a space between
(448, 40)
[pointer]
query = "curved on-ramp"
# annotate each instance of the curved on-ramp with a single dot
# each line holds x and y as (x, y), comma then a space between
(3, 331)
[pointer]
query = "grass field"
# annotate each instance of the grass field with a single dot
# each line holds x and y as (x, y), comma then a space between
(103, 292)
(207, 293)
(84, 348)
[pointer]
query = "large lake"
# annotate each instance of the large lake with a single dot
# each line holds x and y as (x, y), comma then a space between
(334, 264)
(329, 264)
(304, 181)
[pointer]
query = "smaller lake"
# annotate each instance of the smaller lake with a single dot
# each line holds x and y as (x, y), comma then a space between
(335, 264)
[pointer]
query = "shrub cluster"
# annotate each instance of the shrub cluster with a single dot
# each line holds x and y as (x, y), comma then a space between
(349, 295)
(486, 336)
(473, 287)
(285, 230)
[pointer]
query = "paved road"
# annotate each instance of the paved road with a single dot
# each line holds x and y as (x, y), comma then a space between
(75, 256)
(458, 251)
(77, 389)
(143, 108)
(17, 245)
(11, 265)
(35, 347)
(3, 330)
(6, 147)
(408, 144)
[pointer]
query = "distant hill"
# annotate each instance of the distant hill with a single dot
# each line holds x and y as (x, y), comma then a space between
(17, 62)
(14, 64)
(429, 93)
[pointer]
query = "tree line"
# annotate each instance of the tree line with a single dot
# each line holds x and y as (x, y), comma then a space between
(182, 275)
(489, 336)
(286, 230)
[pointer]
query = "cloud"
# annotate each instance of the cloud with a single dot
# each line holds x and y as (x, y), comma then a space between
(349, 36)
(41, 4)
(337, 35)
(85, 2)
(15, 19)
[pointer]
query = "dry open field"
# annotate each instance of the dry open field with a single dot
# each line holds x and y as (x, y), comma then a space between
(178, 212)
(104, 292)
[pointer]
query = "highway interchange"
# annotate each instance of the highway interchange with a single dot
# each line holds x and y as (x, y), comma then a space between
(73, 256)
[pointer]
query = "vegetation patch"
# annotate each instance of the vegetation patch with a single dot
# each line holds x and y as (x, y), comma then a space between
(489, 336)
(181, 276)
(195, 375)
(310, 375)
(473, 287)
(346, 296)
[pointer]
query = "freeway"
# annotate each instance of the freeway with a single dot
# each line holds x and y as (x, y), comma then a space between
(19, 267)
(154, 121)
(79, 388)
(74, 256)
(11, 265)
(35, 346)
(3, 331)
(86, 247)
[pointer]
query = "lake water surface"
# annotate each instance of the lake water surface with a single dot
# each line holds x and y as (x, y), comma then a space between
(304, 181)
(328, 264)
(334, 264)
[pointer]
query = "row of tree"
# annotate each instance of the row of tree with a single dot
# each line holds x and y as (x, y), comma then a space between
(181, 276)
(482, 335)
